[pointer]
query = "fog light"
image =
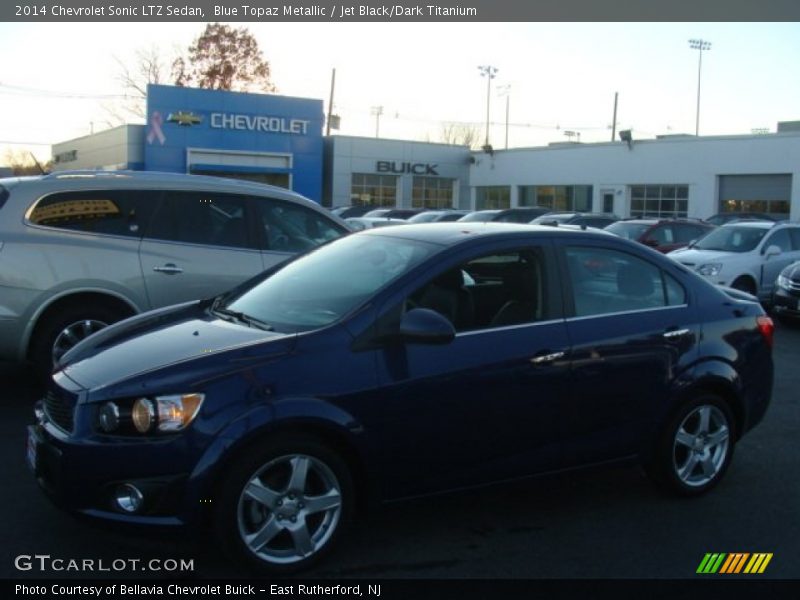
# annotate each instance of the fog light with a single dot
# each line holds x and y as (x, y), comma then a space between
(143, 415)
(108, 417)
(128, 498)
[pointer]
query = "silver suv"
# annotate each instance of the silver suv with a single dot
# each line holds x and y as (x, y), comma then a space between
(81, 250)
(746, 255)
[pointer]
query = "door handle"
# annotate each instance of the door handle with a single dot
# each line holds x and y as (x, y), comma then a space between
(676, 333)
(169, 269)
(545, 359)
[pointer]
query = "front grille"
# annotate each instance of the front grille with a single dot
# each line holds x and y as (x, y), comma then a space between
(59, 411)
(794, 285)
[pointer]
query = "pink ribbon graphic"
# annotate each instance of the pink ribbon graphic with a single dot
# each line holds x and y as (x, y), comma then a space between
(156, 121)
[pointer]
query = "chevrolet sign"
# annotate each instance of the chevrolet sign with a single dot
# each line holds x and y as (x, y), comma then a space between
(259, 123)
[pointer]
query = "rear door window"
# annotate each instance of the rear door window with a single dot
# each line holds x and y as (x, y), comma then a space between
(111, 212)
(207, 218)
(607, 281)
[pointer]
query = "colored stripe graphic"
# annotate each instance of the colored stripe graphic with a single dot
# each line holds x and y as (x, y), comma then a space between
(734, 563)
(759, 562)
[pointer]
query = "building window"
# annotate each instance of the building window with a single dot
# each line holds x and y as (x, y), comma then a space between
(432, 192)
(659, 200)
(492, 197)
(373, 190)
(576, 198)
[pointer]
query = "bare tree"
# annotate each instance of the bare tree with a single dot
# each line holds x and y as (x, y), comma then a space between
(460, 134)
(148, 66)
(22, 162)
(224, 58)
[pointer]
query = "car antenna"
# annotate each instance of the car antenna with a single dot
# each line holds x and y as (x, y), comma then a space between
(41, 170)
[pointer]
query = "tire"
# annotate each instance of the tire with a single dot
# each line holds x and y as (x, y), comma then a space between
(745, 284)
(63, 329)
(274, 525)
(695, 447)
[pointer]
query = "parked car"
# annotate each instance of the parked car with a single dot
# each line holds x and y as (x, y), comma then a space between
(438, 216)
(745, 255)
(665, 235)
(728, 217)
(361, 223)
(345, 212)
(81, 250)
(372, 369)
(786, 293)
(598, 220)
(393, 213)
(522, 214)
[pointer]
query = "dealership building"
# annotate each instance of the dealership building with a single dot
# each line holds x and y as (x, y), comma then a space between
(279, 140)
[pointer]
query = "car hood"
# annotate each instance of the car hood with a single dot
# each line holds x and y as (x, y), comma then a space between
(792, 271)
(160, 339)
(698, 257)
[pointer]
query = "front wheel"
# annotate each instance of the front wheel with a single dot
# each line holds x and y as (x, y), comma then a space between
(695, 448)
(284, 504)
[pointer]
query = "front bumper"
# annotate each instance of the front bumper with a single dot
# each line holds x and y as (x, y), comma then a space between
(786, 302)
(83, 475)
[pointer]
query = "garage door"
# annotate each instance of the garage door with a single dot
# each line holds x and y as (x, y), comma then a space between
(755, 193)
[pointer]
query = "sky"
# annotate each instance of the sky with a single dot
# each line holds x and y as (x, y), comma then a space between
(63, 79)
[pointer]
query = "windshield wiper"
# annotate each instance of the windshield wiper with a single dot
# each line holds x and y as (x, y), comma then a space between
(243, 318)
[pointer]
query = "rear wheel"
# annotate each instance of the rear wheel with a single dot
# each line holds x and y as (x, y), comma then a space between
(283, 506)
(745, 284)
(63, 329)
(696, 447)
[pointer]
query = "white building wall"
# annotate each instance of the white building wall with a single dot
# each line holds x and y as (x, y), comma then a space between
(698, 162)
(360, 155)
(118, 148)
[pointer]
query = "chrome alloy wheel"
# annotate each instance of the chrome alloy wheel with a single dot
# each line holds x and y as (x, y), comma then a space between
(74, 333)
(289, 509)
(701, 446)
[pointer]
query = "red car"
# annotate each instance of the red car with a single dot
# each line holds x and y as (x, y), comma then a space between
(665, 235)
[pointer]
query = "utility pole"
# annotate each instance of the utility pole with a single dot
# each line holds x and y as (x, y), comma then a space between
(330, 104)
(614, 119)
(505, 90)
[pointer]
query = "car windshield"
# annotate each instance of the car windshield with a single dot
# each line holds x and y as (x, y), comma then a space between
(424, 217)
(481, 215)
(629, 231)
(327, 284)
(731, 238)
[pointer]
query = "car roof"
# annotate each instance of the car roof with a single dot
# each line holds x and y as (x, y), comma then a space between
(450, 234)
(754, 224)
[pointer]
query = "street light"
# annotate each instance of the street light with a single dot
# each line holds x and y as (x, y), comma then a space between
(505, 90)
(700, 45)
(489, 72)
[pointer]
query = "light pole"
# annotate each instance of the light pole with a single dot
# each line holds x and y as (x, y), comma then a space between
(505, 90)
(377, 111)
(489, 72)
(700, 45)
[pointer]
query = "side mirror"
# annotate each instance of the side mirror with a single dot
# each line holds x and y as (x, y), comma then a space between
(425, 326)
(772, 251)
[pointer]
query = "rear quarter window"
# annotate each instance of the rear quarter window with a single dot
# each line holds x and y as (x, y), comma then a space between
(110, 212)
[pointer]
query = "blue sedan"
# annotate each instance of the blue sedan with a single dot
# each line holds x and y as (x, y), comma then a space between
(401, 362)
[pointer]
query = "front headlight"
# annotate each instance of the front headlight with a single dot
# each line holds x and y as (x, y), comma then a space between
(167, 414)
(710, 269)
(784, 282)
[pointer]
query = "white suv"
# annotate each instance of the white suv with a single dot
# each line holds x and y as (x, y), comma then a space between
(746, 255)
(81, 250)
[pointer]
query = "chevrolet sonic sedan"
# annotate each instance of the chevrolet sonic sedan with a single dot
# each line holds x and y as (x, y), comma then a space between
(396, 363)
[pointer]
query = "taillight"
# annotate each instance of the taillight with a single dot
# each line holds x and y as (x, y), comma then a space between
(766, 327)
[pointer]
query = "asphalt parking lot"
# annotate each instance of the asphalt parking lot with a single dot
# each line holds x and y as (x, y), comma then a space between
(609, 524)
